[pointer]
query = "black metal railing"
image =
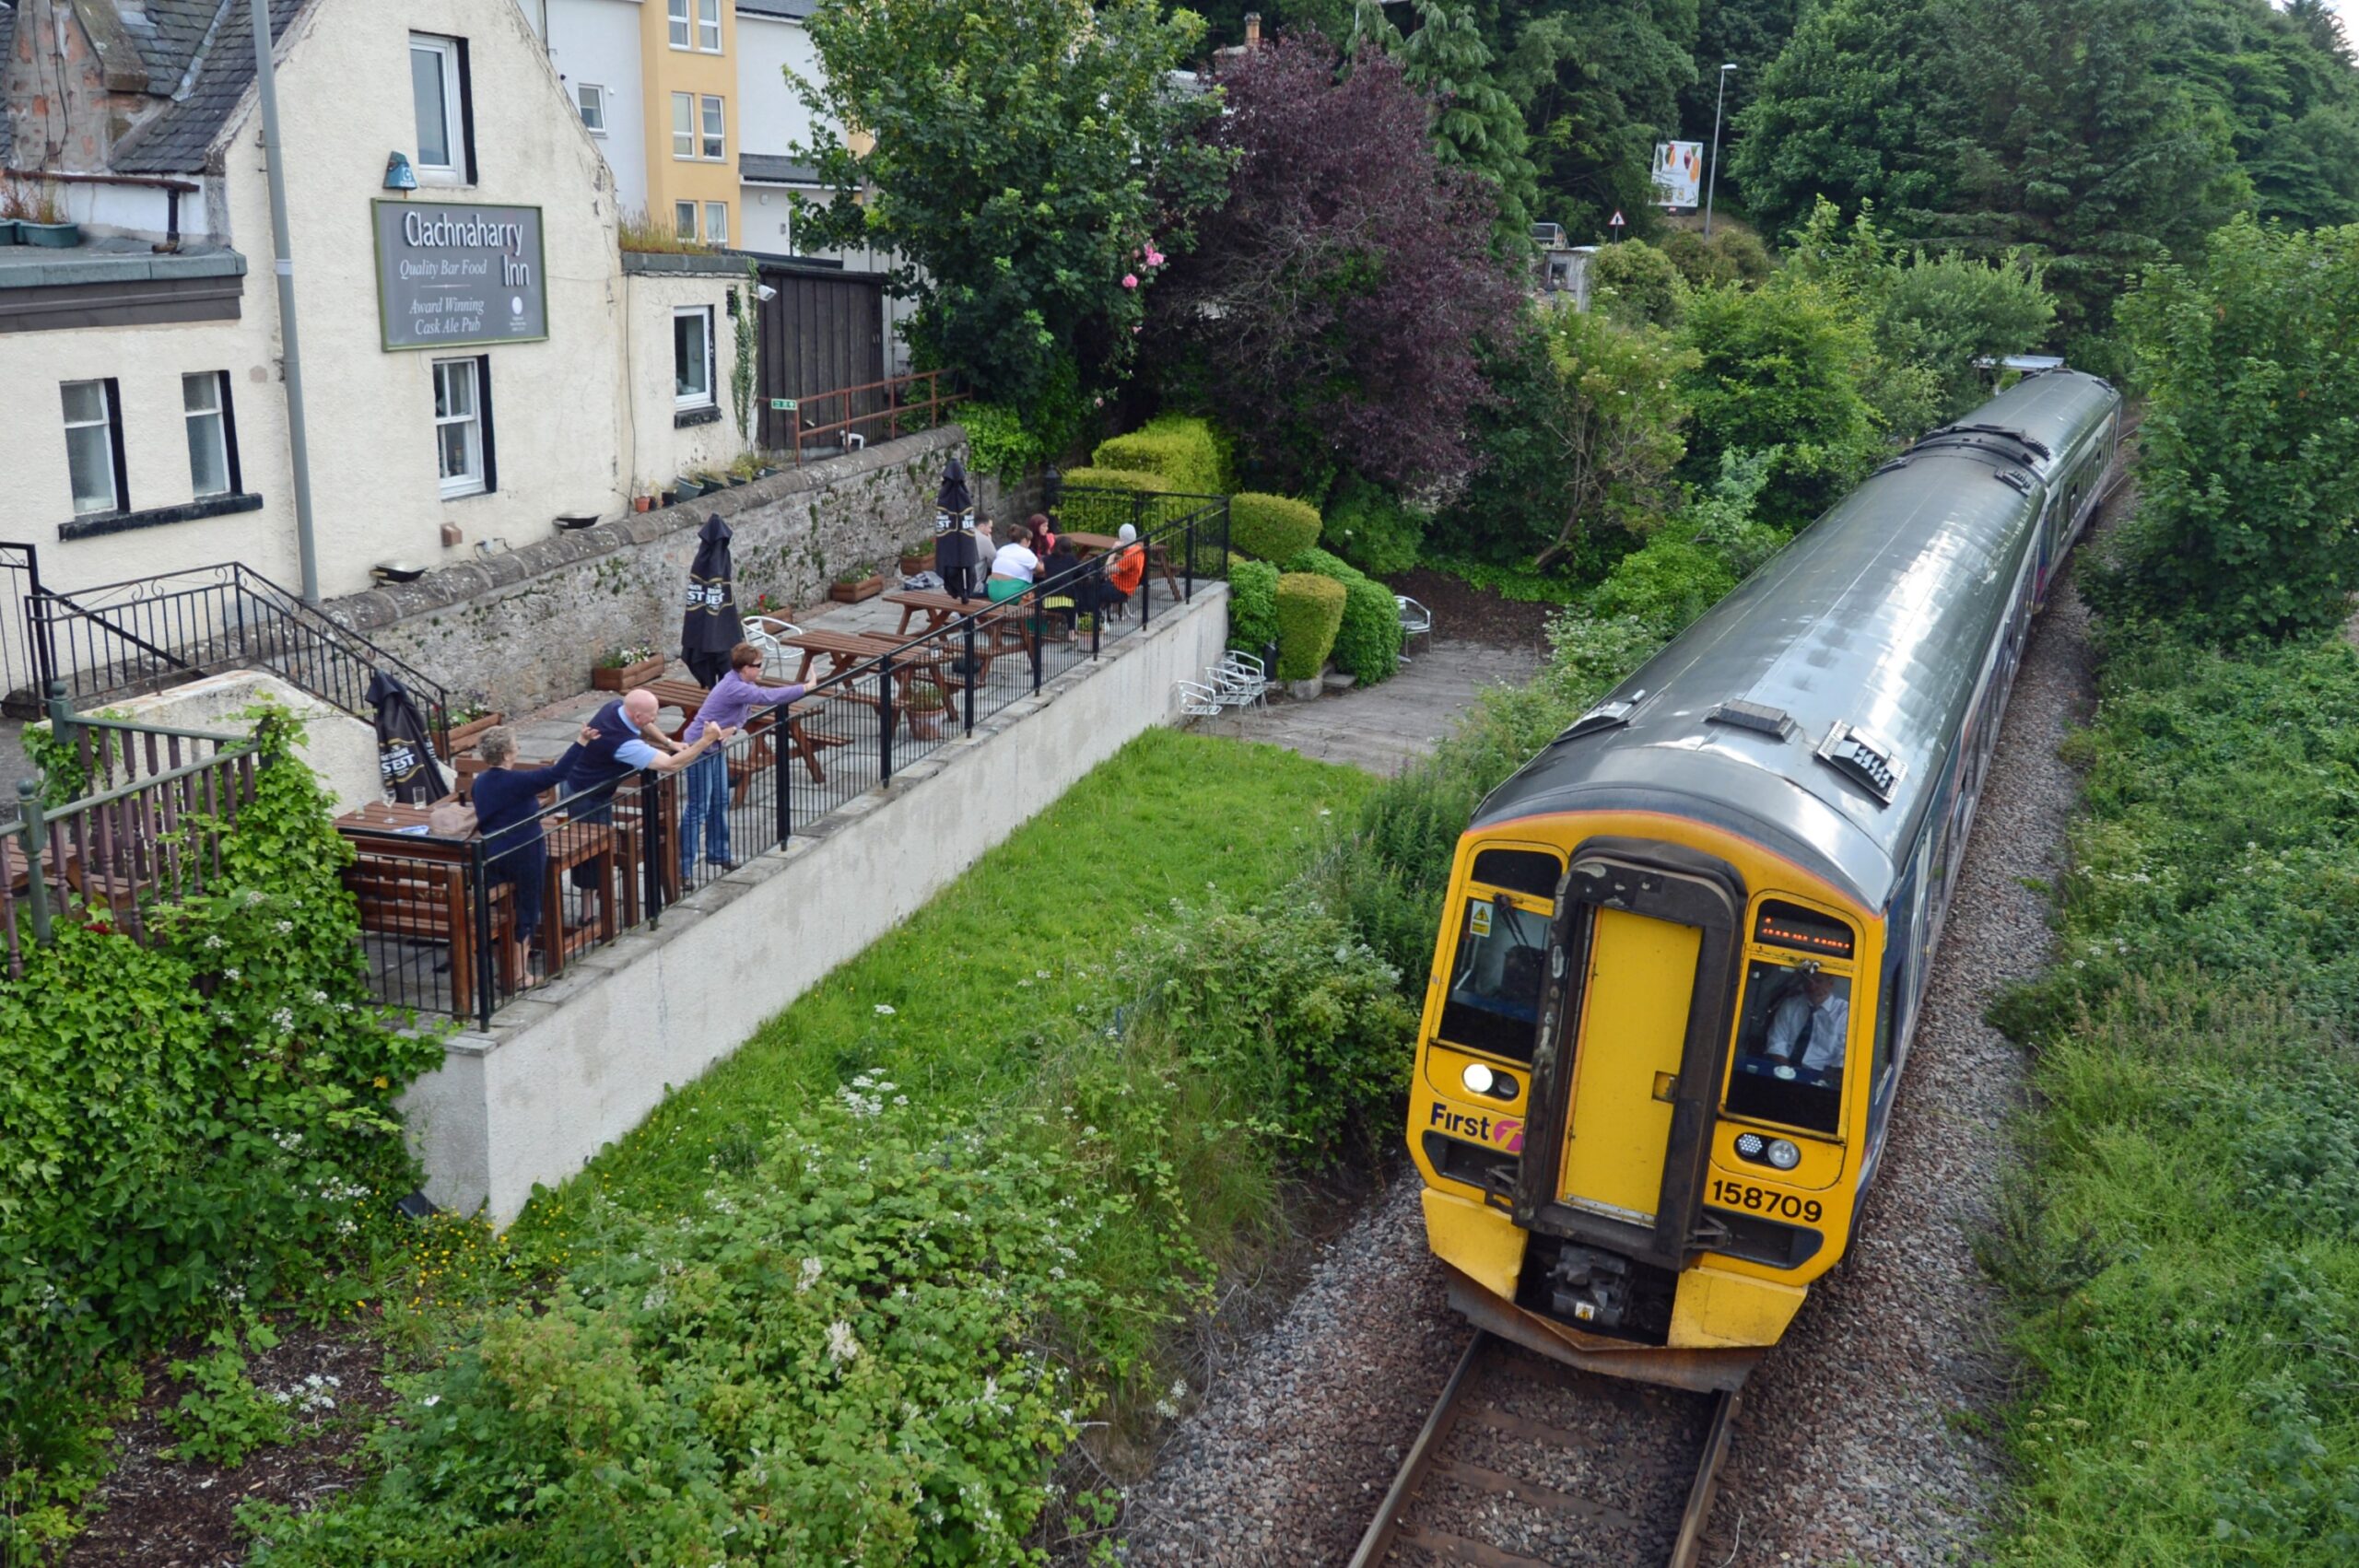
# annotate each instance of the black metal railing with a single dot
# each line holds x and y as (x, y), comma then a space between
(24, 666)
(443, 919)
(124, 639)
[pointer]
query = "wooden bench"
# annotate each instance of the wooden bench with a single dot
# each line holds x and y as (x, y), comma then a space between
(422, 900)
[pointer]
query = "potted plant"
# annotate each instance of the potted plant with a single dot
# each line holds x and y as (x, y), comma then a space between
(924, 705)
(41, 221)
(626, 669)
(684, 488)
(853, 587)
(917, 557)
(468, 720)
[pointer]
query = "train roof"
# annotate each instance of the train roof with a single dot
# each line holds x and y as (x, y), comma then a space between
(1876, 617)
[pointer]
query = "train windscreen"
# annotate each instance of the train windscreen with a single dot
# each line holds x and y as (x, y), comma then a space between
(1790, 1045)
(1496, 985)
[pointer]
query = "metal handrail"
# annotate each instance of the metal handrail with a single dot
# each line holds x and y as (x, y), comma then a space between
(935, 401)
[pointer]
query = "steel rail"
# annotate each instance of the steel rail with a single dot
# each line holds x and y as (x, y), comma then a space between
(1392, 1524)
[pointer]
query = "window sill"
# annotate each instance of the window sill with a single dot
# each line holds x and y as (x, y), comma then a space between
(709, 415)
(93, 525)
(466, 495)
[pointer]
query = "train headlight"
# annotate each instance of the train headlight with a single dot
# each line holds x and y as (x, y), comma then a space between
(1784, 1155)
(1477, 1077)
(1749, 1145)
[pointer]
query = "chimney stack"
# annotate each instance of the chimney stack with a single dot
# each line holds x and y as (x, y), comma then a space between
(1252, 29)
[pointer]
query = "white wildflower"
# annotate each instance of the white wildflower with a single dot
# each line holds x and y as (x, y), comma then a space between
(286, 928)
(884, 1010)
(901, 1099)
(841, 1346)
(812, 1270)
(432, 1401)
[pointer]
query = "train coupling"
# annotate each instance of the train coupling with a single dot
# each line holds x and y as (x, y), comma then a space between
(1589, 1286)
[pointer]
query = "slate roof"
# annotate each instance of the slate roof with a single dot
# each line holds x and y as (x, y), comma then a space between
(778, 10)
(769, 169)
(169, 34)
(175, 141)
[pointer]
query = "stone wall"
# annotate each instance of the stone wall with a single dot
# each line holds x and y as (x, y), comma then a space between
(522, 627)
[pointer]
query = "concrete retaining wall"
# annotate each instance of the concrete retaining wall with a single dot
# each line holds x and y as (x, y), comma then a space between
(522, 627)
(582, 1061)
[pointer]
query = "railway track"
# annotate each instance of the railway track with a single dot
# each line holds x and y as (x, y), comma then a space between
(1527, 1464)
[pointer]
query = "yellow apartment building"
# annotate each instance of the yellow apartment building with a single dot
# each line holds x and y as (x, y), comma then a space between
(688, 84)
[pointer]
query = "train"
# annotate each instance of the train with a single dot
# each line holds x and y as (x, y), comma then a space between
(1684, 948)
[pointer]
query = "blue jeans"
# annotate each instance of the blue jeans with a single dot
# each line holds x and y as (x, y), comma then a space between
(705, 811)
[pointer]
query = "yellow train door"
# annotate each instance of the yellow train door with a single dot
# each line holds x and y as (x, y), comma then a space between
(1633, 1031)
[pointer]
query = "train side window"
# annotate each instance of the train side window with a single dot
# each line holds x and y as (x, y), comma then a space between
(1791, 1041)
(1498, 980)
(1520, 871)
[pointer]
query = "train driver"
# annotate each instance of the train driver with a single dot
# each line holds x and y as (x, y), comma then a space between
(1808, 1025)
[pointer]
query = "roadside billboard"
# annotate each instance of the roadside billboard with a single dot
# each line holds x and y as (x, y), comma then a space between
(1679, 174)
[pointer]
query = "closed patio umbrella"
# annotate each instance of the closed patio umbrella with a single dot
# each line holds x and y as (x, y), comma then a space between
(404, 752)
(711, 626)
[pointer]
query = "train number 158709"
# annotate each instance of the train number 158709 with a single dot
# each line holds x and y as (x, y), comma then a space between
(1785, 1205)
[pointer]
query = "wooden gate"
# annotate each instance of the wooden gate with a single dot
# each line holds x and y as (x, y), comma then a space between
(825, 330)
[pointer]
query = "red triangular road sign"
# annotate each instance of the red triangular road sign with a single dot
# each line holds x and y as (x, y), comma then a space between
(1616, 221)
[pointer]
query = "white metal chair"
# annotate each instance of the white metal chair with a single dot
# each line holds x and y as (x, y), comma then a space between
(1415, 619)
(766, 633)
(1199, 700)
(1239, 678)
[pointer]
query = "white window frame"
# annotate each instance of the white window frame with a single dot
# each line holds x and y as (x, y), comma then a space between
(475, 481)
(709, 28)
(454, 126)
(716, 224)
(684, 140)
(676, 18)
(196, 419)
(684, 229)
(584, 94)
(708, 398)
(712, 128)
(110, 420)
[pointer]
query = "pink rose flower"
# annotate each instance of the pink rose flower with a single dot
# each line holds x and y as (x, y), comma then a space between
(1130, 280)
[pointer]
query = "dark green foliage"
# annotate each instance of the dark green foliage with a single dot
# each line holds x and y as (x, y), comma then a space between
(2287, 94)
(187, 1125)
(2249, 480)
(1731, 255)
(1667, 583)
(1845, 113)
(1311, 611)
(1252, 605)
(1270, 528)
(1372, 528)
(1368, 641)
(2183, 1250)
(1748, 34)
(1600, 81)
(1476, 124)
(1781, 367)
(1636, 285)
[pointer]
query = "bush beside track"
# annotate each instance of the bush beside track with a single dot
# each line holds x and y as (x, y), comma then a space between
(2183, 1246)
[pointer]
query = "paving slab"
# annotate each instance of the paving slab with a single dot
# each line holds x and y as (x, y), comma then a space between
(1384, 728)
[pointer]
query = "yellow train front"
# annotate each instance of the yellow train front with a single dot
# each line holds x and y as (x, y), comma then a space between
(1684, 947)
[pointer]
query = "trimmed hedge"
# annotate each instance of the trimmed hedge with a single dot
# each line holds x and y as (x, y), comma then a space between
(1368, 647)
(1270, 528)
(1103, 514)
(1180, 449)
(1310, 612)
(1253, 606)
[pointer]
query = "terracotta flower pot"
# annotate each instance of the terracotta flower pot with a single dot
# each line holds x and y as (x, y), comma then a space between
(914, 563)
(854, 593)
(625, 677)
(926, 724)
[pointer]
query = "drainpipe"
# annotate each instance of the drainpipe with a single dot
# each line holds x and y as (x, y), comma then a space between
(266, 79)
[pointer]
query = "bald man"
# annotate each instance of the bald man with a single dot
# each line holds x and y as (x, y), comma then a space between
(614, 746)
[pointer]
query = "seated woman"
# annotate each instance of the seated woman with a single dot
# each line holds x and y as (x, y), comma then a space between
(1013, 569)
(506, 804)
(1127, 568)
(1065, 588)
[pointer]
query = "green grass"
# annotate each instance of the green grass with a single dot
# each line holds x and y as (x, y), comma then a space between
(986, 982)
(2183, 1249)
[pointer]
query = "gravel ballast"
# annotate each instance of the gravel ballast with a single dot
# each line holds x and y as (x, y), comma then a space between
(1851, 1447)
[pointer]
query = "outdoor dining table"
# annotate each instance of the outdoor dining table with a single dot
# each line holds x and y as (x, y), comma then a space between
(847, 650)
(1008, 624)
(1088, 544)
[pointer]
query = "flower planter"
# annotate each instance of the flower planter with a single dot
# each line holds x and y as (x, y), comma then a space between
(56, 236)
(625, 677)
(642, 503)
(686, 489)
(854, 593)
(915, 563)
(926, 724)
(463, 736)
(8, 231)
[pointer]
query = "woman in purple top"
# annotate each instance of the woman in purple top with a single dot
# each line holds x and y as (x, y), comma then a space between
(729, 704)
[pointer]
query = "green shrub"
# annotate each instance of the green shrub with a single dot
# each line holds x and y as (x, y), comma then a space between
(1253, 606)
(1665, 585)
(1284, 1002)
(997, 441)
(1270, 528)
(1636, 285)
(1103, 514)
(1176, 447)
(1311, 611)
(1371, 528)
(1367, 644)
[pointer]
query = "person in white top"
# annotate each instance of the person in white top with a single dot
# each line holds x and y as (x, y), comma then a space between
(1807, 1028)
(1012, 569)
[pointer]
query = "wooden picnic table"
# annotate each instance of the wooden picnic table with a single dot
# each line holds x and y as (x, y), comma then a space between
(846, 650)
(1008, 626)
(801, 741)
(1089, 544)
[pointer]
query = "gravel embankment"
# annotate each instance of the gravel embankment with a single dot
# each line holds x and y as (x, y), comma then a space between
(1850, 1448)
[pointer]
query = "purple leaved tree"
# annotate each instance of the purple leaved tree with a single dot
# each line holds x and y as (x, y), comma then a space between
(1328, 312)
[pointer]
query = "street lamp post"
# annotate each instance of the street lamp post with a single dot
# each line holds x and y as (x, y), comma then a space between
(1713, 184)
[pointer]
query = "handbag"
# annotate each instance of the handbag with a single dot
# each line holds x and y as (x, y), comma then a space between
(451, 820)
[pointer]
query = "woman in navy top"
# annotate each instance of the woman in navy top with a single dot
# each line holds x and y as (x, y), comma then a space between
(506, 804)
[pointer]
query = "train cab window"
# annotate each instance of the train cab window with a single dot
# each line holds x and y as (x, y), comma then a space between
(1497, 981)
(1790, 1045)
(1520, 870)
